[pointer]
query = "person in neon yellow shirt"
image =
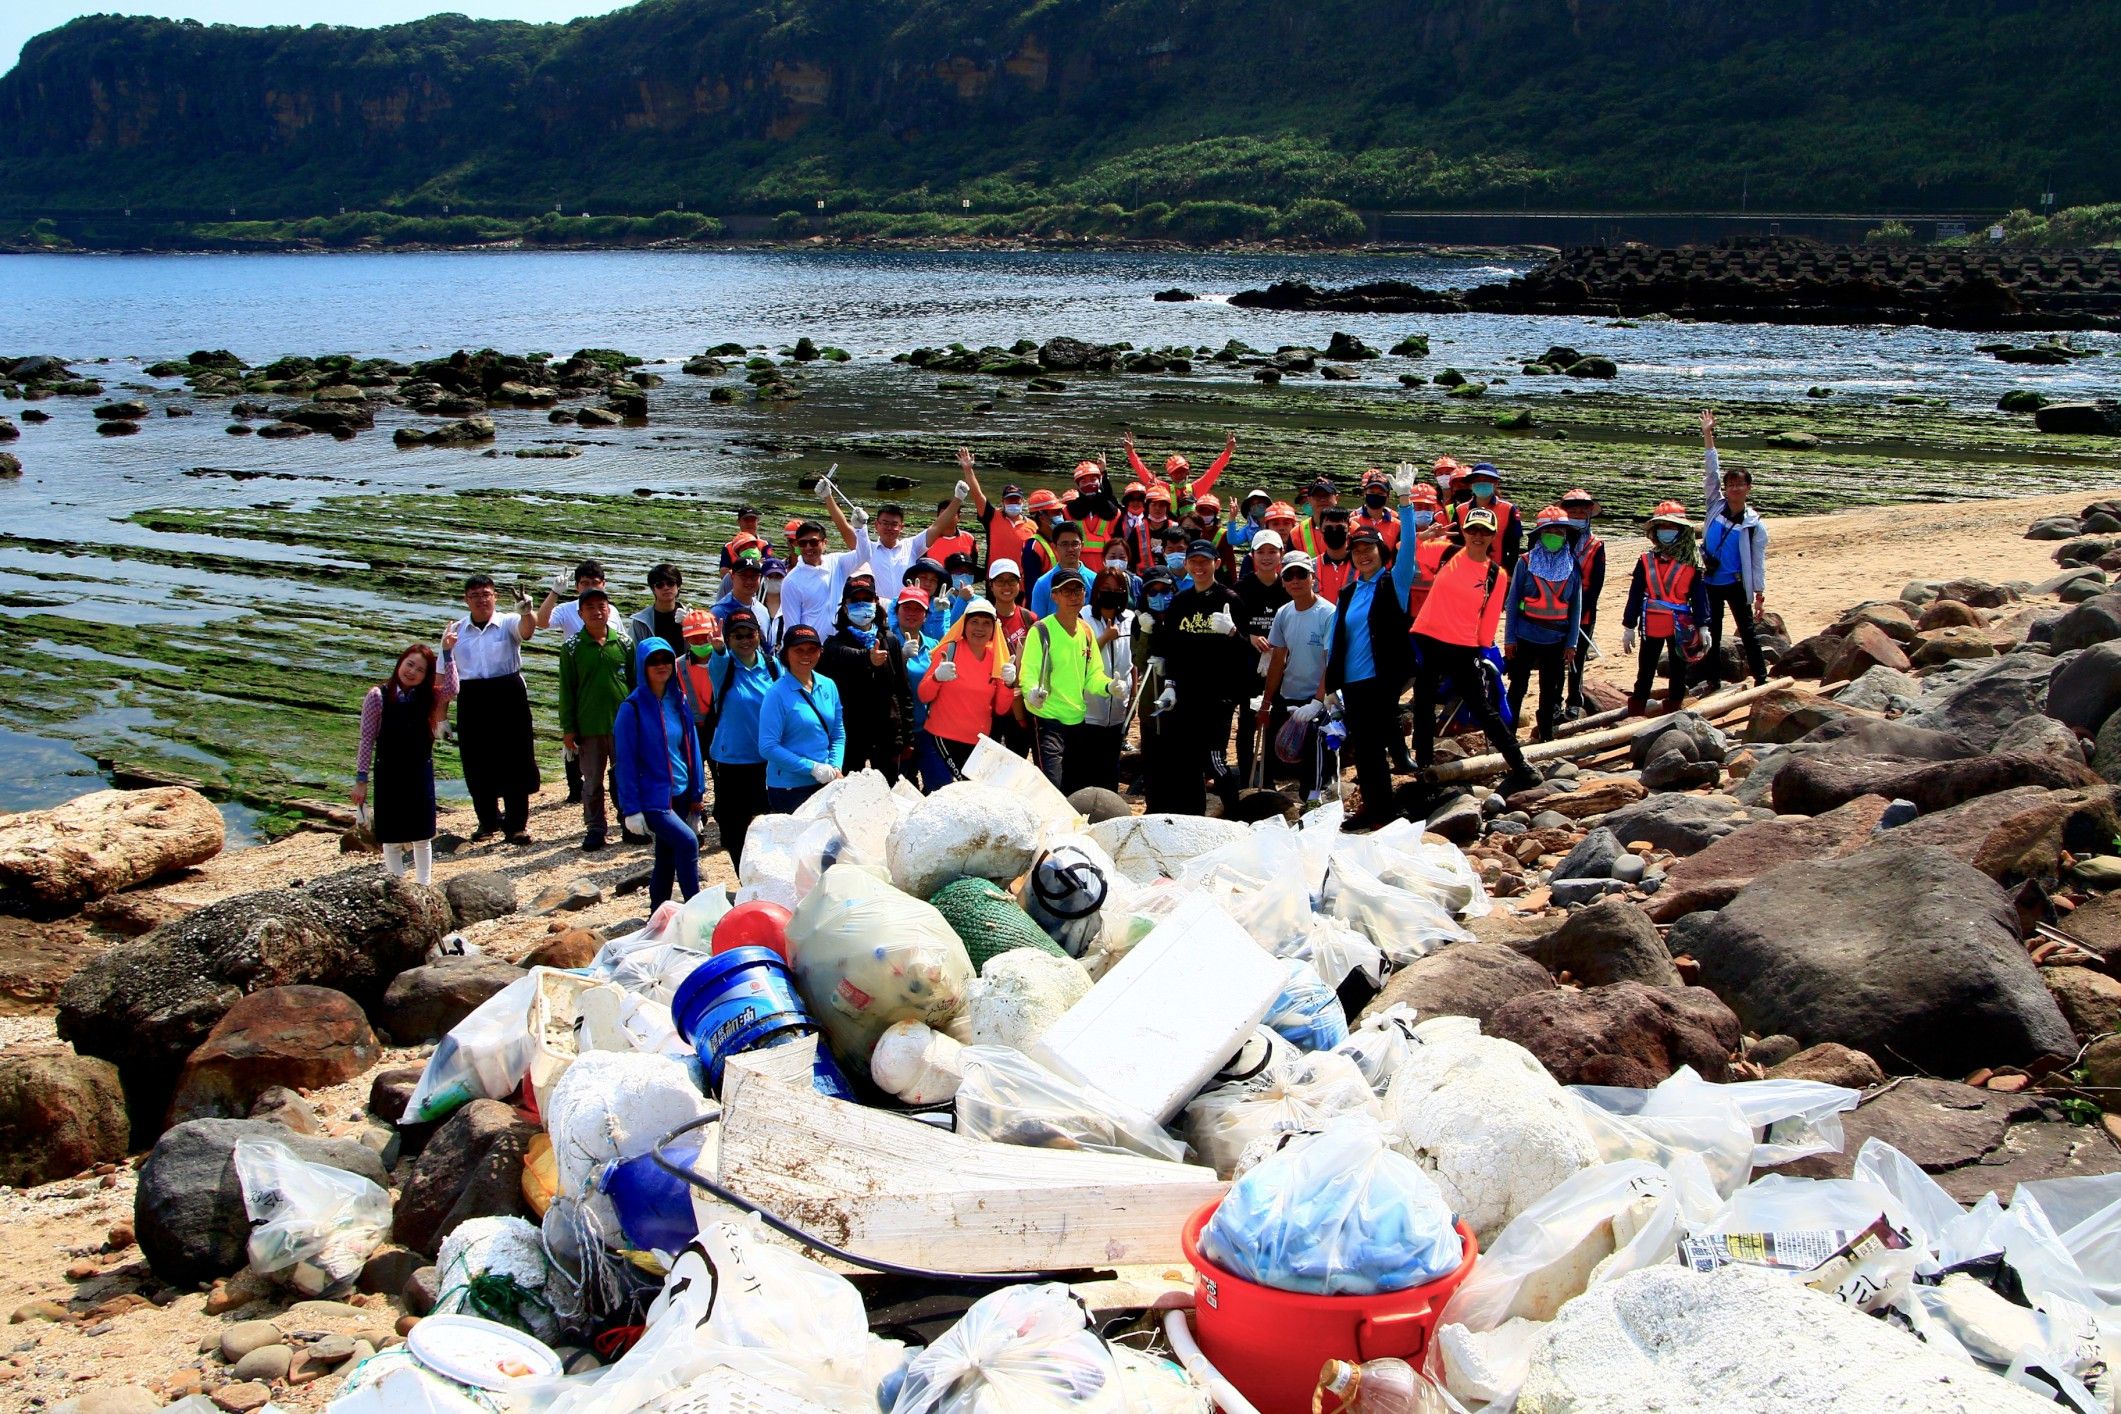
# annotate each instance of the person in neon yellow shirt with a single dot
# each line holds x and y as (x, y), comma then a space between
(1062, 669)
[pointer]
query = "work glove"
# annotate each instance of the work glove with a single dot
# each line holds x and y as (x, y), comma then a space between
(562, 584)
(1117, 687)
(1036, 697)
(364, 817)
(1308, 712)
(1221, 622)
(825, 488)
(964, 489)
(1009, 674)
(823, 774)
(946, 671)
(1627, 641)
(1701, 638)
(637, 824)
(1167, 699)
(860, 519)
(1403, 481)
(1156, 665)
(1259, 703)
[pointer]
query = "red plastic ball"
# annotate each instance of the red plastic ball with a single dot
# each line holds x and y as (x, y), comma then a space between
(757, 924)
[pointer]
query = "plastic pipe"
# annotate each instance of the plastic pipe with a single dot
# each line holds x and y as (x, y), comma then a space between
(1219, 1389)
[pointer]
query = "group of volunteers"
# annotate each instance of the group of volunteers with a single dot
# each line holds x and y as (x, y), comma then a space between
(1055, 624)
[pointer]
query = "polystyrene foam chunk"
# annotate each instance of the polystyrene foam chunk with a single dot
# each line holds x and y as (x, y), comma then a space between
(1155, 1028)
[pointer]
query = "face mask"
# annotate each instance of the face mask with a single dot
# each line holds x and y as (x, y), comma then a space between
(1424, 519)
(1443, 483)
(773, 584)
(1552, 541)
(961, 581)
(1111, 599)
(1175, 559)
(1482, 491)
(1374, 500)
(861, 615)
(1335, 536)
(1012, 509)
(1159, 602)
(1667, 534)
(702, 651)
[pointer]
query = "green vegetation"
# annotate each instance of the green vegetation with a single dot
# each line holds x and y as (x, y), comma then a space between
(1890, 233)
(1103, 117)
(2072, 228)
(361, 230)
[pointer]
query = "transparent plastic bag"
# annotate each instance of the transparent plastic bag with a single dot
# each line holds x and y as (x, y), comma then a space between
(1334, 948)
(1008, 1098)
(1405, 925)
(1399, 856)
(484, 1056)
(1338, 1213)
(315, 1225)
(698, 915)
(1735, 1128)
(1288, 1092)
(1020, 1350)
(866, 955)
(1308, 1014)
(1381, 1044)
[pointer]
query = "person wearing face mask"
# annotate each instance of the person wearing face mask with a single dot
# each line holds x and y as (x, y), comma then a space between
(1541, 621)
(1131, 537)
(1178, 472)
(1457, 622)
(1321, 496)
(1111, 618)
(917, 642)
(399, 720)
(1261, 592)
(1425, 537)
(1298, 641)
(1376, 511)
(802, 725)
(866, 661)
(1334, 566)
(961, 587)
(1446, 472)
(1251, 519)
(1483, 485)
(772, 575)
(1734, 550)
(1582, 508)
(660, 772)
(1367, 664)
(1096, 512)
(1205, 663)
(1159, 587)
(969, 682)
(1205, 523)
(740, 673)
(1669, 597)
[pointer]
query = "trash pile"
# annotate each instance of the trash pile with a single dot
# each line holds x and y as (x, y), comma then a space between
(931, 1114)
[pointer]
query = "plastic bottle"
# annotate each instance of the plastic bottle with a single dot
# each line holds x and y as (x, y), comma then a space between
(1378, 1387)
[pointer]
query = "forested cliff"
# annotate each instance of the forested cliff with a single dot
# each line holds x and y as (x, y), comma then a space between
(910, 105)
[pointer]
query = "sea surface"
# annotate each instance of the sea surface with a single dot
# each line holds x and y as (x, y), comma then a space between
(72, 527)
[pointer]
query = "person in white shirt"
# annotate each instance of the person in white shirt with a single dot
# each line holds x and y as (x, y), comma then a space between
(887, 554)
(816, 582)
(495, 740)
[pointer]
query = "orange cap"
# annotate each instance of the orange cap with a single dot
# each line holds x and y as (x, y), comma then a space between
(1176, 465)
(1134, 488)
(1207, 503)
(1280, 510)
(1449, 464)
(1425, 495)
(1550, 514)
(1158, 491)
(697, 624)
(1042, 500)
(1090, 469)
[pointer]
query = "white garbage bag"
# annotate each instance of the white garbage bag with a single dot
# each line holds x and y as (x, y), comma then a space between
(866, 955)
(1020, 1350)
(315, 1226)
(1151, 847)
(963, 830)
(1291, 1093)
(1020, 995)
(615, 1105)
(1405, 924)
(496, 1268)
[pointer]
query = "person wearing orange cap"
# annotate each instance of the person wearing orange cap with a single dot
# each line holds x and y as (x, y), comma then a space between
(1375, 512)
(1096, 509)
(1145, 510)
(1669, 597)
(596, 673)
(747, 529)
(1582, 508)
(1422, 530)
(1178, 470)
(1542, 619)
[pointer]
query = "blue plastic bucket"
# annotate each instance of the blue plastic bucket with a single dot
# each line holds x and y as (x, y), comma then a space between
(745, 1000)
(654, 1206)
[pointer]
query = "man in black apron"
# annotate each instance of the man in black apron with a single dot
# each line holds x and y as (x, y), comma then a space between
(495, 740)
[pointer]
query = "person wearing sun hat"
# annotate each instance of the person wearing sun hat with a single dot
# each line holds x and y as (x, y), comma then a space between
(866, 661)
(739, 673)
(1483, 481)
(1668, 596)
(1542, 619)
(1582, 509)
(1457, 624)
(802, 726)
(1061, 672)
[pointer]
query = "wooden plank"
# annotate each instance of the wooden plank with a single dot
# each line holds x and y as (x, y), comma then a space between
(885, 1186)
(1591, 743)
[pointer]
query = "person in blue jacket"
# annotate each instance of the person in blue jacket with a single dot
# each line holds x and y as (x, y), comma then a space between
(1542, 617)
(741, 672)
(660, 774)
(802, 733)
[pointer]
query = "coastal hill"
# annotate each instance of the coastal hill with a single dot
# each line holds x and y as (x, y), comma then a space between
(918, 106)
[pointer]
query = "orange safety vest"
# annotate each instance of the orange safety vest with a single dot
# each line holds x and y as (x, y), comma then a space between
(1307, 540)
(1428, 559)
(1097, 534)
(1667, 586)
(1548, 602)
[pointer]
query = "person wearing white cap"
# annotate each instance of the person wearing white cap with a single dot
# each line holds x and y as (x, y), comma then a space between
(1005, 588)
(1261, 593)
(1296, 664)
(971, 680)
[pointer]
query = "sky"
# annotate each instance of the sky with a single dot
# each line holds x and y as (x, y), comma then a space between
(19, 19)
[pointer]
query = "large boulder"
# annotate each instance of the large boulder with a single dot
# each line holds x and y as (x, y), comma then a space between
(2042, 736)
(1813, 785)
(2096, 620)
(479, 894)
(1880, 689)
(1900, 951)
(1622, 1034)
(53, 861)
(1679, 752)
(60, 1113)
(1870, 736)
(471, 1168)
(1682, 824)
(304, 1038)
(391, 921)
(1788, 713)
(424, 1003)
(188, 1212)
(1611, 941)
(2020, 834)
(2090, 1000)
(1865, 646)
(1596, 796)
(1713, 877)
(2086, 690)
(1950, 645)
(1463, 979)
(1982, 705)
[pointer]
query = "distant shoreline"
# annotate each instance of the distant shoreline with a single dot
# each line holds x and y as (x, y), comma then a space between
(819, 243)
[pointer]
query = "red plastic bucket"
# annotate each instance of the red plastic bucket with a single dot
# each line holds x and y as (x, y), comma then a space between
(1271, 1344)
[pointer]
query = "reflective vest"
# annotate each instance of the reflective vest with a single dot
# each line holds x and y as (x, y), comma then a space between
(1307, 540)
(1548, 601)
(1667, 587)
(1586, 556)
(1097, 534)
(1142, 544)
(1505, 516)
(1428, 559)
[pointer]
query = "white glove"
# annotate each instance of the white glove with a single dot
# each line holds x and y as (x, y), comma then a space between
(1116, 687)
(823, 774)
(1221, 622)
(860, 519)
(825, 487)
(1627, 641)
(964, 489)
(637, 824)
(1701, 638)
(1309, 711)
(1403, 481)
(364, 815)
(1167, 699)
(1156, 665)
(946, 671)
(562, 584)
(1255, 704)
(1036, 697)
(1009, 673)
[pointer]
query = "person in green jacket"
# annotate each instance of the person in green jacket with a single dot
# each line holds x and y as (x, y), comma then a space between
(1061, 671)
(596, 673)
